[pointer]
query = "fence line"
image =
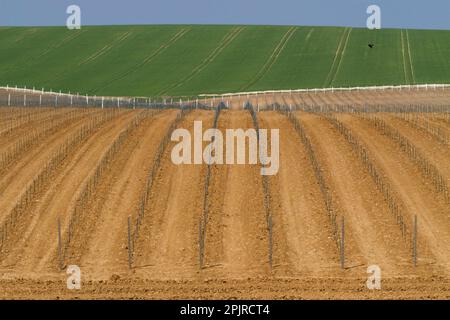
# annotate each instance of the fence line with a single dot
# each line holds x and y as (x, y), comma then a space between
(23, 97)
(316, 90)
(52, 98)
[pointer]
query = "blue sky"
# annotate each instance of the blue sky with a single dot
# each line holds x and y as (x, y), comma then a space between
(422, 14)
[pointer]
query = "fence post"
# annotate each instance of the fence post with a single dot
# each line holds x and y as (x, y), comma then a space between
(342, 247)
(9, 99)
(130, 244)
(24, 100)
(61, 266)
(40, 100)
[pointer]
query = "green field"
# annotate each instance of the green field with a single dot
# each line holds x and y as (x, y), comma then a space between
(190, 60)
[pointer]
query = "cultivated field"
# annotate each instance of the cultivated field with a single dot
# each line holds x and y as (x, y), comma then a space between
(141, 227)
(190, 60)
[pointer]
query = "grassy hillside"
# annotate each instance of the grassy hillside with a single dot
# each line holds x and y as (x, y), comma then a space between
(188, 60)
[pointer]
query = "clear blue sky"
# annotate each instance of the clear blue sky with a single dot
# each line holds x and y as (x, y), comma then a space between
(423, 14)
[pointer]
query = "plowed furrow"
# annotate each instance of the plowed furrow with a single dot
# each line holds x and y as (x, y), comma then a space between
(302, 234)
(418, 195)
(167, 245)
(33, 252)
(15, 180)
(103, 248)
(372, 234)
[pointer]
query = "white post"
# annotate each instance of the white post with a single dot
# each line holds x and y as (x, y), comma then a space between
(9, 99)
(118, 102)
(40, 100)
(24, 100)
(71, 100)
(103, 100)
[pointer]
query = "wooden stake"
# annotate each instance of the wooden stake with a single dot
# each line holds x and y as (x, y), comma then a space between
(130, 249)
(270, 242)
(61, 266)
(343, 243)
(200, 243)
(415, 242)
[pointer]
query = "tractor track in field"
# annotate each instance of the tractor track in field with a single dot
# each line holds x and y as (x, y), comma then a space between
(272, 59)
(338, 57)
(224, 43)
(408, 67)
(181, 33)
(106, 48)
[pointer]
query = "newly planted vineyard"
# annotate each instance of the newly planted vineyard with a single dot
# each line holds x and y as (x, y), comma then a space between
(98, 188)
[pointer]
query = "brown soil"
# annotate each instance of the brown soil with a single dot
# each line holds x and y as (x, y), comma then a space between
(236, 260)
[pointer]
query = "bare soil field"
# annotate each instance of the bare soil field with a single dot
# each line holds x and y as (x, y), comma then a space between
(97, 188)
(356, 98)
